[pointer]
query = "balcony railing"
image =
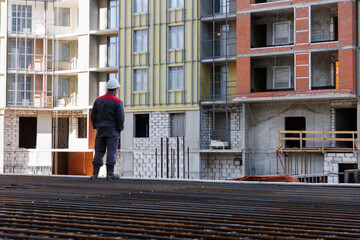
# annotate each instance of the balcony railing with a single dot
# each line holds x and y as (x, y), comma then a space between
(218, 48)
(317, 141)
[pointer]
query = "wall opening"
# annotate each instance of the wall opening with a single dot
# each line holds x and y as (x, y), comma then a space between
(259, 36)
(141, 125)
(82, 127)
(345, 120)
(72, 163)
(221, 130)
(259, 80)
(294, 124)
(27, 132)
(60, 132)
(177, 124)
(343, 167)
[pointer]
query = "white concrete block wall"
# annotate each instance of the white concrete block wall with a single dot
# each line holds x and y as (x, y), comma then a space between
(236, 134)
(331, 164)
(144, 148)
(220, 166)
(16, 160)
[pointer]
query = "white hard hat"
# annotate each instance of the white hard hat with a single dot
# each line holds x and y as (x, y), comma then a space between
(112, 84)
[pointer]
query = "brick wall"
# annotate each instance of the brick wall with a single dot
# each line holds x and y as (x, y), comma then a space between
(220, 166)
(16, 160)
(331, 164)
(144, 148)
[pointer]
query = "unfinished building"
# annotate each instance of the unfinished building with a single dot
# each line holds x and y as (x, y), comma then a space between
(299, 88)
(221, 118)
(59, 55)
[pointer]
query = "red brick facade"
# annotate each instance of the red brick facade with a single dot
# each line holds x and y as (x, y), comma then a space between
(301, 49)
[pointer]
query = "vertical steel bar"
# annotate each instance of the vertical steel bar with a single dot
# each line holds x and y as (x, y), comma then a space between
(161, 157)
(183, 157)
(167, 157)
(156, 162)
(188, 165)
(178, 157)
(172, 162)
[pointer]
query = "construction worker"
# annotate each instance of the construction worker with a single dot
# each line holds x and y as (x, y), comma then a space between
(107, 118)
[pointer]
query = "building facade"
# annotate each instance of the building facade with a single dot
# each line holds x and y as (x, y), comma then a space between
(56, 56)
(296, 71)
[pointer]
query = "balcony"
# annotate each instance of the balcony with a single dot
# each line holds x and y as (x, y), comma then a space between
(218, 44)
(324, 23)
(324, 70)
(216, 85)
(269, 29)
(218, 8)
(275, 73)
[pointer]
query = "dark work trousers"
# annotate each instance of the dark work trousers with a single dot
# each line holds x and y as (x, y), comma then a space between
(103, 143)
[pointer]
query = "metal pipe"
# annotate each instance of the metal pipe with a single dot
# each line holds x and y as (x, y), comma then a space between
(155, 162)
(178, 157)
(183, 150)
(188, 166)
(167, 157)
(161, 157)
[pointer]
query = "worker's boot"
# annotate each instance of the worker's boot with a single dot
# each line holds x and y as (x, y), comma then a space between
(96, 169)
(110, 173)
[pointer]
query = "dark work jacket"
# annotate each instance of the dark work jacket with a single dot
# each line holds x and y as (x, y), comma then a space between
(107, 115)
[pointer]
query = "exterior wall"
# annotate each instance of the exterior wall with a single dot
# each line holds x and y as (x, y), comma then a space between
(331, 164)
(157, 59)
(2, 79)
(301, 49)
(263, 122)
(220, 166)
(38, 160)
(137, 157)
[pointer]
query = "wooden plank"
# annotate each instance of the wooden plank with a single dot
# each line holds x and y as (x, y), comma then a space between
(317, 132)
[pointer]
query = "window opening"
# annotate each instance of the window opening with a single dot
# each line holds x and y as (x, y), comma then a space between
(176, 37)
(60, 132)
(343, 167)
(27, 132)
(176, 3)
(21, 18)
(140, 41)
(113, 53)
(141, 125)
(82, 127)
(63, 51)
(62, 17)
(176, 78)
(294, 124)
(345, 120)
(177, 124)
(20, 91)
(281, 33)
(113, 16)
(140, 80)
(282, 77)
(140, 6)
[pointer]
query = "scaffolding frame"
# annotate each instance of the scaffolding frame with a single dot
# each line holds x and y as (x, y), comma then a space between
(24, 34)
(209, 103)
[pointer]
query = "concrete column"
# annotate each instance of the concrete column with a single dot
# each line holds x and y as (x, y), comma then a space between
(103, 52)
(2, 128)
(126, 154)
(358, 129)
(192, 140)
(83, 89)
(103, 15)
(43, 140)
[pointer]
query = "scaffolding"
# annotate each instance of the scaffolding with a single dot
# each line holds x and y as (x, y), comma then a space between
(31, 54)
(219, 116)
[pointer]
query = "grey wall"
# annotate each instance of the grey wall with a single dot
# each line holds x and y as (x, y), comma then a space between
(322, 68)
(320, 24)
(264, 120)
(269, 64)
(269, 21)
